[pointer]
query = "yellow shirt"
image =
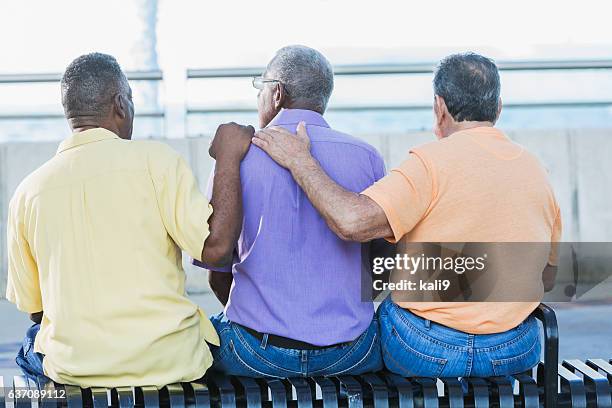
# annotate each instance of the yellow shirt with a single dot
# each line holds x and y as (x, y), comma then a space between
(473, 186)
(94, 240)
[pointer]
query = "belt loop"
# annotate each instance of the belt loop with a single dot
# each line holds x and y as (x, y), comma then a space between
(264, 342)
(427, 324)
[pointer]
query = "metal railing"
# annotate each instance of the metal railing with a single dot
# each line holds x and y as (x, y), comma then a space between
(412, 107)
(409, 69)
(412, 68)
(341, 70)
(54, 77)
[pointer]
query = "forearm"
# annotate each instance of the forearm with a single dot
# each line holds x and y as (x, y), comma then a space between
(226, 221)
(549, 274)
(352, 216)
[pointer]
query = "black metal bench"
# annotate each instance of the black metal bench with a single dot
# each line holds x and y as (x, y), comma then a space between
(550, 385)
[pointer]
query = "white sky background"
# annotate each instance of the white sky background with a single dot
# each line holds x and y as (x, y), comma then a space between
(44, 36)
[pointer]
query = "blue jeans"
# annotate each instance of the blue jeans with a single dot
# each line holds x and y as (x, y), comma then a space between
(243, 354)
(31, 362)
(416, 347)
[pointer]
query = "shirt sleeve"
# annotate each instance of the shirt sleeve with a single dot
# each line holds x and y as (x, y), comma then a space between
(555, 238)
(23, 287)
(184, 209)
(404, 194)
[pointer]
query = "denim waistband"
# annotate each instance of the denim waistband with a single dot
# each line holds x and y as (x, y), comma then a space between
(398, 316)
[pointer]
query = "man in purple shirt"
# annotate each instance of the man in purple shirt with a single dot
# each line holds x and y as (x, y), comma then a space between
(293, 300)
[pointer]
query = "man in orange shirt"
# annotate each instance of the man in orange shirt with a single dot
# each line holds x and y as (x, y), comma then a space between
(472, 185)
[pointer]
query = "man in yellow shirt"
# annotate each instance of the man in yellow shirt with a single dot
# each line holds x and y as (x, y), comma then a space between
(473, 185)
(95, 238)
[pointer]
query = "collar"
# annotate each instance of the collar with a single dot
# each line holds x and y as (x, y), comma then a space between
(481, 130)
(295, 116)
(85, 137)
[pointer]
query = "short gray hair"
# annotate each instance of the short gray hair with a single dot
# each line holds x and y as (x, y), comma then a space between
(90, 83)
(470, 86)
(306, 74)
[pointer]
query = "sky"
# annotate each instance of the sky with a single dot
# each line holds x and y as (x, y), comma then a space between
(44, 36)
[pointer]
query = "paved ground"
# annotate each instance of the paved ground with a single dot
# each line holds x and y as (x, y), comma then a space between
(585, 330)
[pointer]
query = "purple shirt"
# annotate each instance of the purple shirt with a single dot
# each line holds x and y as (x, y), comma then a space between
(293, 276)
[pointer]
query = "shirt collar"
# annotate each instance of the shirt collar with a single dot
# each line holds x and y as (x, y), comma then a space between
(482, 130)
(87, 136)
(295, 116)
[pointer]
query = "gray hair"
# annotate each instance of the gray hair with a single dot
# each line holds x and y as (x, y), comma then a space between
(470, 86)
(90, 83)
(306, 74)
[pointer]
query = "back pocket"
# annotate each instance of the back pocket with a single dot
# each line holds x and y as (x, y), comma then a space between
(519, 363)
(410, 357)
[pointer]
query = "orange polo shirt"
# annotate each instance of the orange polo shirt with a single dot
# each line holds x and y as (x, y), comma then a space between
(473, 186)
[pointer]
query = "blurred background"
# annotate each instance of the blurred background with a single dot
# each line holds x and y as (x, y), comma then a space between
(190, 65)
(167, 40)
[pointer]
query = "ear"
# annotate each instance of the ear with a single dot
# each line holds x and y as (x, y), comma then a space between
(499, 108)
(280, 96)
(120, 106)
(440, 109)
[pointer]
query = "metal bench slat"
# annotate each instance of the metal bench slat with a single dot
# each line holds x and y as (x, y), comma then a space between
(380, 392)
(329, 393)
(572, 384)
(226, 391)
(188, 394)
(126, 397)
(20, 387)
(593, 381)
(602, 365)
(453, 391)
(528, 391)
(478, 389)
(74, 398)
(303, 392)
(32, 385)
(252, 392)
(2, 395)
(429, 392)
(176, 395)
(278, 392)
(583, 384)
(201, 395)
(405, 389)
(9, 399)
(352, 390)
(502, 391)
(147, 396)
(99, 397)
(589, 372)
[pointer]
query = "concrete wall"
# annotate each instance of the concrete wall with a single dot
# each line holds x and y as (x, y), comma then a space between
(578, 161)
